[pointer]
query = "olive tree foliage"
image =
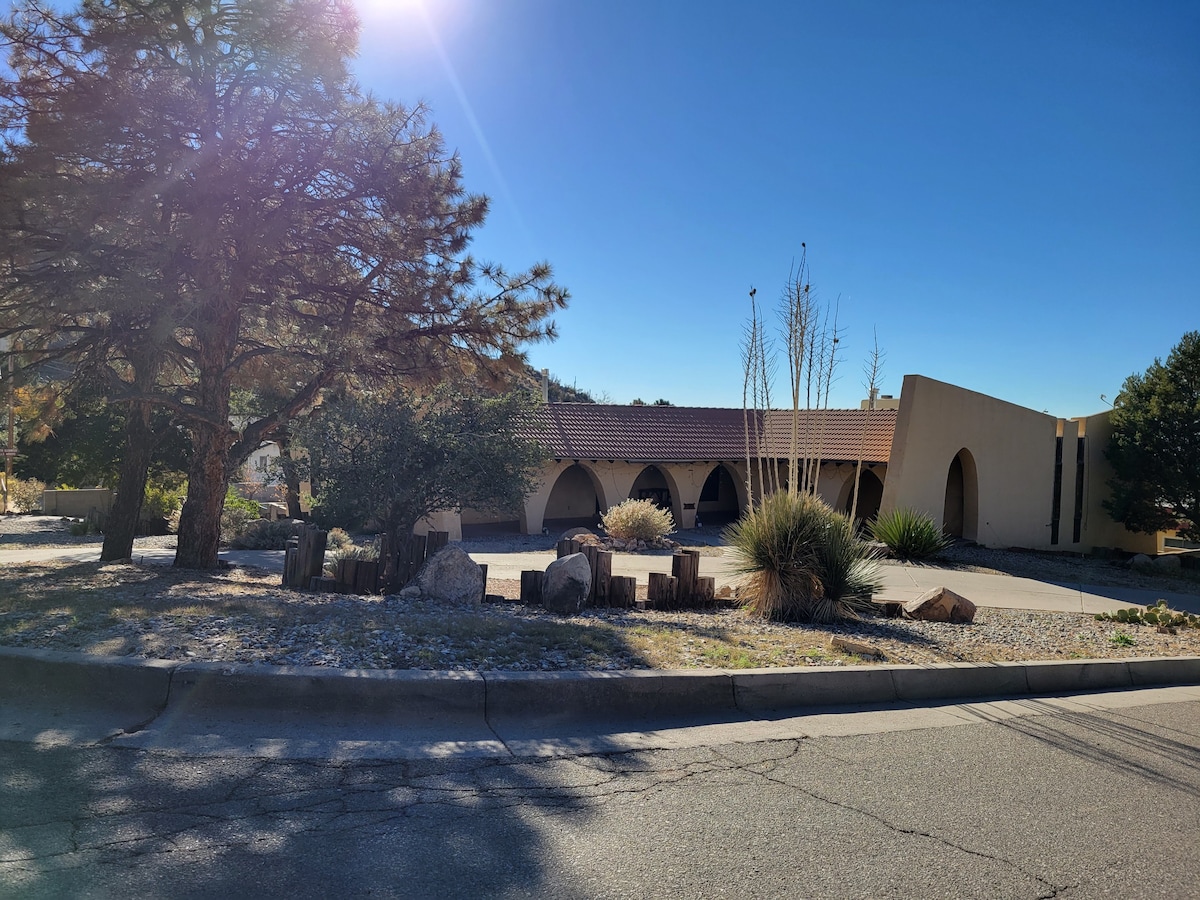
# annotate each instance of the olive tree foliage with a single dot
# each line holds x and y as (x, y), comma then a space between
(1155, 445)
(392, 461)
(196, 191)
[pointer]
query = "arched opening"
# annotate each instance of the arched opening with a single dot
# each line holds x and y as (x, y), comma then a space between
(870, 496)
(960, 515)
(574, 501)
(651, 484)
(720, 501)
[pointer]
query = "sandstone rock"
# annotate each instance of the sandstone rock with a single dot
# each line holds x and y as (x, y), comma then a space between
(574, 533)
(1141, 561)
(450, 576)
(941, 605)
(855, 648)
(566, 585)
(1168, 562)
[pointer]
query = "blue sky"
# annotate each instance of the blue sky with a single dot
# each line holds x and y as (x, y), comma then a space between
(1008, 194)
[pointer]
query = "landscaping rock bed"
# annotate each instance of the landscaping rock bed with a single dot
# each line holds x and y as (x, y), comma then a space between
(244, 615)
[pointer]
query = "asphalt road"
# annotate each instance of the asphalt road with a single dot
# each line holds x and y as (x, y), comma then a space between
(1097, 796)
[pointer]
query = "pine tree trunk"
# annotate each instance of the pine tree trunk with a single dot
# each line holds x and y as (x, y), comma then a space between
(200, 521)
(291, 476)
(120, 527)
(213, 438)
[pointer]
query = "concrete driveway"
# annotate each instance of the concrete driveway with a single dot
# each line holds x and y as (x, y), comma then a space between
(900, 582)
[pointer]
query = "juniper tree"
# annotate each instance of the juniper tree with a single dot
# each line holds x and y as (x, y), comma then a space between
(1155, 445)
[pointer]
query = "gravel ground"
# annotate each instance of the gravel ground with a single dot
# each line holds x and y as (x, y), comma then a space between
(244, 615)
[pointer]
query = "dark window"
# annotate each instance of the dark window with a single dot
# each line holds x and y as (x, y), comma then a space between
(1056, 502)
(1080, 453)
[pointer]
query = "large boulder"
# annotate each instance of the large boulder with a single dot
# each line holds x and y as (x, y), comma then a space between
(567, 584)
(451, 576)
(941, 605)
(1168, 562)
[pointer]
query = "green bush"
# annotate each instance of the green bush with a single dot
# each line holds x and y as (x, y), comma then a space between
(261, 534)
(25, 495)
(638, 520)
(800, 561)
(161, 504)
(236, 515)
(909, 533)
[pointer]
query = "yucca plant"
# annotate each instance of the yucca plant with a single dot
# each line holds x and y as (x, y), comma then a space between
(909, 533)
(799, 561)
(847, 570)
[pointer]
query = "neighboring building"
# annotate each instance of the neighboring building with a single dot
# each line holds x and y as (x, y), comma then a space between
(986, 470)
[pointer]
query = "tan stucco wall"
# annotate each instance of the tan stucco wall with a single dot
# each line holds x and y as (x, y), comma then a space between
(1013, 452)
(77, 504)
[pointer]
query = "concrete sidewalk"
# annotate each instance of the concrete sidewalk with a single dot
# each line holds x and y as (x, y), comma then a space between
(271, 560)
(900, 583)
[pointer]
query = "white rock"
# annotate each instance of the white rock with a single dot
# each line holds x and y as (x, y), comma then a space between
(450, 576)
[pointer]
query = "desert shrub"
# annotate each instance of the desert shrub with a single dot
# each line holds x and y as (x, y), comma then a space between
(638, 520)
(800, 561)
(261, 534)
(333, 556)
(337, 539)
(909, 533)
(25, 494)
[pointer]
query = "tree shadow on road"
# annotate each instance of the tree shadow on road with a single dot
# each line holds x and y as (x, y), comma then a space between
(1115, 747)
(109, 822)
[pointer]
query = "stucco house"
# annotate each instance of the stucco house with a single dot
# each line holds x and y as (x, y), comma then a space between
(986, 470)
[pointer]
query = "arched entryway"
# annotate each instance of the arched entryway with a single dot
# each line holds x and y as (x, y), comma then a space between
(720, 498)
(870, 496)
(655, 485)
(960, 516)
(574, 501)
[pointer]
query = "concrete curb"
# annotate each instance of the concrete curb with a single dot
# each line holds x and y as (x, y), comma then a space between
(402, 695)
(427, 698)
(49, 676)
(624, 694)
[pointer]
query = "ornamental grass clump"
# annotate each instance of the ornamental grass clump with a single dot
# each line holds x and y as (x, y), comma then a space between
(638, 520)
(909, 533)
(800, 561)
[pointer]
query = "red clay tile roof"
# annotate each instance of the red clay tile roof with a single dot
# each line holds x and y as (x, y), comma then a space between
(682, 433)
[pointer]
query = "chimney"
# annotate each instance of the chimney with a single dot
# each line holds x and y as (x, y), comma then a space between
(545, 385)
